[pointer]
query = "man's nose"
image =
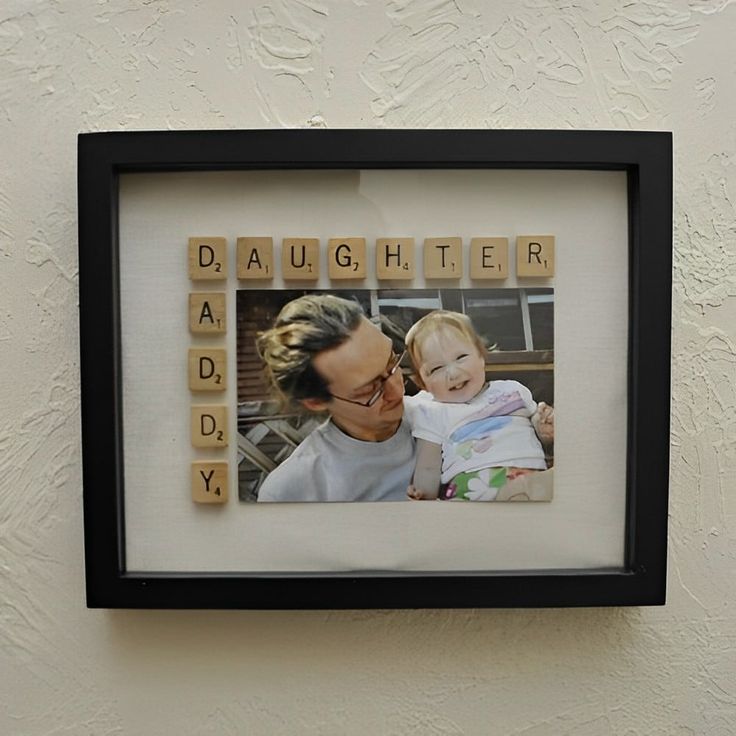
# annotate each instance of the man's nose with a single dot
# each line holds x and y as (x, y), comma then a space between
(394, 387)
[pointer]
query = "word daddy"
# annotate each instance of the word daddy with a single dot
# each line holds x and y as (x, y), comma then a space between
(394, 258)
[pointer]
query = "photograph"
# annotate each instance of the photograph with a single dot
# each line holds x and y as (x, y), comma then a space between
(395, 395)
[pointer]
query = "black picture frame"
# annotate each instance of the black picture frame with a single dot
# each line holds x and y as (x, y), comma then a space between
(646, 157)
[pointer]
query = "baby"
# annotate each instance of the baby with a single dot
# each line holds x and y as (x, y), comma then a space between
(473, 436)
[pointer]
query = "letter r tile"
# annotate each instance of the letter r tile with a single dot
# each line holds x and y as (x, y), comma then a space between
(535, 256)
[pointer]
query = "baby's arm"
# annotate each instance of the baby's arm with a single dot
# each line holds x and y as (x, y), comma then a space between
(543, 421)
(426, 482)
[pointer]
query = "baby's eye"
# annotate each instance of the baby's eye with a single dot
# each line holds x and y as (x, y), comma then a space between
(461, 356)
(435, 369)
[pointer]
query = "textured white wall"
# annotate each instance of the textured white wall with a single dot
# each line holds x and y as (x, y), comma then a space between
(112, 65)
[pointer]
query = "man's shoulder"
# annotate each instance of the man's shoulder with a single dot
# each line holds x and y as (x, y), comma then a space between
(288, 481)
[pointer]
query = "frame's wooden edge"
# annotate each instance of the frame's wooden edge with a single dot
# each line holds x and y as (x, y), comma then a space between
(580, 588)
(104, 526)
(646, 156)
(381, 148)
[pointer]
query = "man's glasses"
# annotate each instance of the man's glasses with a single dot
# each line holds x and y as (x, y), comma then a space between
(388, 375)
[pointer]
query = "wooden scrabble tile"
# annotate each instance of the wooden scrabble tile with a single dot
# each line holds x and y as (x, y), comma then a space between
(346, 258)
(489, 258)
(395, 258)
(209, 426)
(209, 482)
(535, 255)
(300, 259)
(207, 259)
(255, 258)
(207, 312)
(207, 369)
(443, 258)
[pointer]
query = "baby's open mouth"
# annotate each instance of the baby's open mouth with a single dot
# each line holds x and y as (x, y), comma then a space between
(459, 386)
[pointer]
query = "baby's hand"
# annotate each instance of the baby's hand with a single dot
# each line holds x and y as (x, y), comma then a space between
(543, 421)
(415, 494)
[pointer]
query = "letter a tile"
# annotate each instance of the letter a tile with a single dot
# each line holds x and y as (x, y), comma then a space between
(207, 313)
(255, 258)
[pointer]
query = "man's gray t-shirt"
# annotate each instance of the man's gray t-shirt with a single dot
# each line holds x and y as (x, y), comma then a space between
(331, 466)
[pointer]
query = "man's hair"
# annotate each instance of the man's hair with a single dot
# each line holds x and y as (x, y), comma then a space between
(440, 319)
(305, 327)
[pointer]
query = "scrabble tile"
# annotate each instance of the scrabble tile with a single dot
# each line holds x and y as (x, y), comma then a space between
(255, 258)
(300, 259)
(209, 482)
(443, 258)
(207, 259)
(489, 258)
(395, 259)
(207, 369)
(207, 313)
(209, 426)
(346, 258)
(535, 255)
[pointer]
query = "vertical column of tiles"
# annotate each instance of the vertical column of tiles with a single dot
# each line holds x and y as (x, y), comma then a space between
(207, 368)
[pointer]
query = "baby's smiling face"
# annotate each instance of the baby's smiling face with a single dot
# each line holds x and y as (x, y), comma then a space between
(452, 368)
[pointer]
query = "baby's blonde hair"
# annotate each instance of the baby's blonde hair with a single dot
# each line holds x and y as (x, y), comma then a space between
(430, 324)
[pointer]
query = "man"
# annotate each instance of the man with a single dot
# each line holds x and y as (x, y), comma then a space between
(323, 355)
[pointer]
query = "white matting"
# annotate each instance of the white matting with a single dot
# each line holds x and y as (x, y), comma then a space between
(583, 527)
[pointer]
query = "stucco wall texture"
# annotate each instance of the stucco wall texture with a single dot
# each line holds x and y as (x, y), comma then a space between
(157, 64)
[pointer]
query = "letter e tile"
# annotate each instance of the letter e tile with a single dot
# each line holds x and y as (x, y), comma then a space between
(489, 258)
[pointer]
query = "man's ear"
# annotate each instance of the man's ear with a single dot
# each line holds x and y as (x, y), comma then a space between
(315, 405)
